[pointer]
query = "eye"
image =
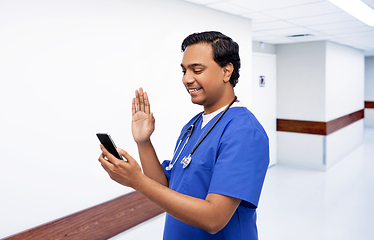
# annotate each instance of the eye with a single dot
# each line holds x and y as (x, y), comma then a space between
(198, 71)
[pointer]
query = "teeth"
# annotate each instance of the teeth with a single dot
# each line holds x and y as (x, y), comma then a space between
(194, 90)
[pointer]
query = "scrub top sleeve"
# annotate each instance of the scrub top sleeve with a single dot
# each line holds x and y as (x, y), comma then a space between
(241, 165)
(167, 172)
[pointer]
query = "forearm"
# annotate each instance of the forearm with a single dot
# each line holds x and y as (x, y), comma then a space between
(211, 216)
(150, 163)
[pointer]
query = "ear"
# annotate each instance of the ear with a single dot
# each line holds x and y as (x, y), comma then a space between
(227, 71)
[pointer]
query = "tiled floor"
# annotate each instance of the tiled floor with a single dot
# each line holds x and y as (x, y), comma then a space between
(334, 205)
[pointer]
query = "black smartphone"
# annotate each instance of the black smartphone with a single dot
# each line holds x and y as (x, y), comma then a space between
(108, 143)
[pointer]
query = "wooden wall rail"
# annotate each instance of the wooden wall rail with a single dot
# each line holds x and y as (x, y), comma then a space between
(319, 128)
(97, 223)
(369, 104)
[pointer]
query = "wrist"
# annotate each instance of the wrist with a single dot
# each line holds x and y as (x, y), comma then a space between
(145, 143)
(140, 183)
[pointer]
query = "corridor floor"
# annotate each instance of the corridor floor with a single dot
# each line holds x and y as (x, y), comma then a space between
(302, 204)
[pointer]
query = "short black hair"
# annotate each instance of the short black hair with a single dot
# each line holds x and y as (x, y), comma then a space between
(225, 50)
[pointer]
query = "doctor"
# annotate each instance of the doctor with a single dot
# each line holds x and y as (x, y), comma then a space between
(211, 187)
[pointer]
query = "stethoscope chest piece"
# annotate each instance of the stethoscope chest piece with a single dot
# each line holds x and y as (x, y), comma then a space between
(186, 161)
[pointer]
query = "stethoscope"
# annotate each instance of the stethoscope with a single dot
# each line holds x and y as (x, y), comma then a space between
(187, 160)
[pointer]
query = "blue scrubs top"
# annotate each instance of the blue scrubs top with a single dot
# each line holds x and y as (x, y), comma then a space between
(232, 160)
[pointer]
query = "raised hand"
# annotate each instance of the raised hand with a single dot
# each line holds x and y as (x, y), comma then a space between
(143, 122)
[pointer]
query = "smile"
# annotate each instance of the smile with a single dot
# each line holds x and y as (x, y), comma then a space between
(194, 90)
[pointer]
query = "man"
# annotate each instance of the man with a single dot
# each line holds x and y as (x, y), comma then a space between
(211, 187)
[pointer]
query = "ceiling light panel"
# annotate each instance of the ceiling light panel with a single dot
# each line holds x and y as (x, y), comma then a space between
(358, 9)
(369, 3)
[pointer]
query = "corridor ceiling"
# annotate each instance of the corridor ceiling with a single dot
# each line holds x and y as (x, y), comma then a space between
(291, 21)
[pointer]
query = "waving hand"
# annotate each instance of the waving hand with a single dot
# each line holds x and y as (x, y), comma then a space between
(143, 122)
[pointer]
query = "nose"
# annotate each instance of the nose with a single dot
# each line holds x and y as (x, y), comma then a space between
(188, 78)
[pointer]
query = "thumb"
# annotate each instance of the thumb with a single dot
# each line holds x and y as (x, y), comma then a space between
(125, 155)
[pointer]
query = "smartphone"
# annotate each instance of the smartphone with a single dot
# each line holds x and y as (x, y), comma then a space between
(108, 143)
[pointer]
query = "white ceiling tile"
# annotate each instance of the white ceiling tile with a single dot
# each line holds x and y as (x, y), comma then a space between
(259, 34)
(347, 30)
(307, 10)
(203, 2)
(287, 31)
(337, 25)
(258, 17)
(365, 41)
(229, 8)
(271, 25)
(357, 35)
(265, 39)
(280, 41)
(322, 19)
(263, 5)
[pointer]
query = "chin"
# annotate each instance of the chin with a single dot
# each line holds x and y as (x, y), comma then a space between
(197, 101)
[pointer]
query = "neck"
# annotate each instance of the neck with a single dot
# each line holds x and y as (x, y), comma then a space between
(223, 102)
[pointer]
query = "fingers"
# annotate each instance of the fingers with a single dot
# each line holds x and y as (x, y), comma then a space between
(124, 154)
(110, 158)
(147, 107)
(140, 102)
(133, 108)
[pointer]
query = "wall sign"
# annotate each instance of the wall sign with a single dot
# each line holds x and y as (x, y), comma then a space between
(262, 81)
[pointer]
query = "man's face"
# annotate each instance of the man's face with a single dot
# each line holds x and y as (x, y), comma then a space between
(203, 78)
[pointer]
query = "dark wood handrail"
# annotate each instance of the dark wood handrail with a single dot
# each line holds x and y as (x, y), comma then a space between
(97, 223)
(369, 104)
(318, 128)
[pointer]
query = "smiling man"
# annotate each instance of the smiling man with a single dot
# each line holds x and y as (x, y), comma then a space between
(211, 187)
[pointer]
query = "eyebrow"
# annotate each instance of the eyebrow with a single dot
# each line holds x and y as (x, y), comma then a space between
(194, 65)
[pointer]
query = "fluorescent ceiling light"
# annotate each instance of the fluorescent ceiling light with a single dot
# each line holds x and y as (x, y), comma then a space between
(357, 9)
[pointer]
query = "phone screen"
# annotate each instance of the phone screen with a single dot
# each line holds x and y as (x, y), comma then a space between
(108, 143)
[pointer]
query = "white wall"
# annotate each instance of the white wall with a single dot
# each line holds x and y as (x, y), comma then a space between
(345, 81)
(369, 90)
(69, 70)
(265, 98)
(261, 47)
(318, 81)
(369, 78)
(340, 143)
(301, 77)
(345, 70)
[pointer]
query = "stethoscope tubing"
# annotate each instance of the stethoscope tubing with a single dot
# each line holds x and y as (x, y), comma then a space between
(189, 130)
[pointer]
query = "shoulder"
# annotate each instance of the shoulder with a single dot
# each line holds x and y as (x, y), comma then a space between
(241, 120)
